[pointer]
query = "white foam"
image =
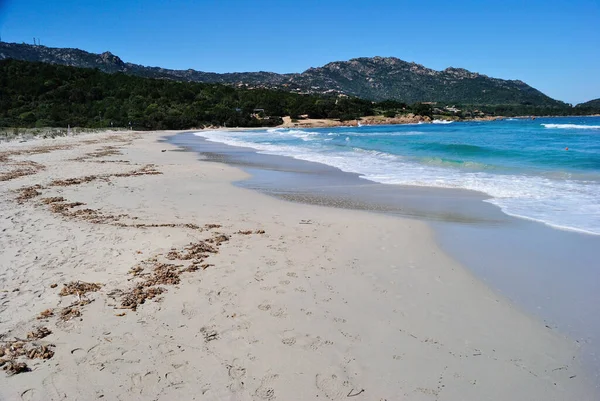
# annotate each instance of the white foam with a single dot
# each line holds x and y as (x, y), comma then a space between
(571, 126)
(561, 203)
(442, 122)
(398, 133)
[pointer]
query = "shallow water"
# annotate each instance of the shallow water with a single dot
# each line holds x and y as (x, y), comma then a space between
(521, 164)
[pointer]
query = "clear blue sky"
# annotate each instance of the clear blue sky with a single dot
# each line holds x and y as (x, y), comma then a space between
(553, 45)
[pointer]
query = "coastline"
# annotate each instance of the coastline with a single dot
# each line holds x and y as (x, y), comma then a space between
(512, 255)
(8, 134)
(371, 120)
(327, 302)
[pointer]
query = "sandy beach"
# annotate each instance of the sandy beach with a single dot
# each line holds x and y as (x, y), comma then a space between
(130, 270)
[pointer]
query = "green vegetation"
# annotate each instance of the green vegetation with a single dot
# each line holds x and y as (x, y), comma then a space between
(40, 95)
(44, 95)
(587, 108)
(36, 94)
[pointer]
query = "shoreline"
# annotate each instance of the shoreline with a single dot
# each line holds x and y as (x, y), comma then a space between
(57, 132)
(530, 248)
(275, 314)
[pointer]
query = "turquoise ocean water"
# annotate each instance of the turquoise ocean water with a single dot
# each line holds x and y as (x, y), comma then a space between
(523, 165)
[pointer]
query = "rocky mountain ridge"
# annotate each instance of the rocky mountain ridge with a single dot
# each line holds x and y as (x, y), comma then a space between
(376, 78)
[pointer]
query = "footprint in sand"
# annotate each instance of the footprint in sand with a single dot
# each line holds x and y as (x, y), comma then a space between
(307, 341)
(289, 341)
(333, 386)
(30, 395)
(79, 354)
(236, 373)
(316, 343)
(265, 391)
(174, 379)
(144, 383)
(281, 312)
(188, 310)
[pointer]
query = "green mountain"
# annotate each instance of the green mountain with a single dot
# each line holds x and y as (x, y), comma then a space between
(592, 104)
(377, 78)
(35, 94)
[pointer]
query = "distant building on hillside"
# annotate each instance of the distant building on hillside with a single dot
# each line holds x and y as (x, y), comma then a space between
(259, 113)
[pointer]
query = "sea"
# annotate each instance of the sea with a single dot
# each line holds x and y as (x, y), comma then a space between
(544, 169)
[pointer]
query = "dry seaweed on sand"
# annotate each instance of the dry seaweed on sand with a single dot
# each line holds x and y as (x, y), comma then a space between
(13, 349)
(165, 274)
(79, 288)
(46, 314)
(40, 352)
(138, 295)
(53, 199)
(191, 268)
(70, 312)
(217, 240)
(136, 271)
(22, 168)
(14, 367)
(145, 225)
(148, 169)
(211, 226)
(248, 232)
(220, 239)
(75, 181)
(38, 333)
(63, 207)
(168, 274)
(198, 250)
(101, 152)
(28, 193)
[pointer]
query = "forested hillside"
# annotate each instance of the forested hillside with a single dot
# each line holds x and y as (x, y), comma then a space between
(36, 94)
(375, 78)
(39, 94)
(589, 107)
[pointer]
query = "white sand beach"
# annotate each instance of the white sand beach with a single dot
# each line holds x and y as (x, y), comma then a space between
(285, 302)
